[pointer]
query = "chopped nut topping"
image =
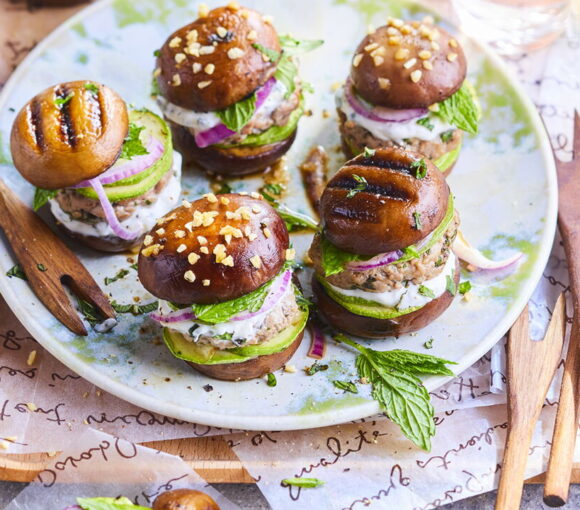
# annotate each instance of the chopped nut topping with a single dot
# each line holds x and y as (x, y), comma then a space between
(415, 24)
(247, 230)
(378, 60)
(181, 248)
(31, 406)
(196, 67)
(231, 231)
(220, 252)
(210, 197)
(234, 53)
(406, 29)
(175, 42)
(410, 63)
(394, 40)
(224, 200)
(424, 54)
(189, 276)
(180, 57)
(192, 258)
(290, 254)
(206, 50)
(371, 46)
(291, 369)
(268, 19)
(160, 231)
(31, 358)
(267, 233)
(204, 84)
(384, 83)
(186, 203)
(252, 35)
(256, 261)
(204, 250)
(222, 31)
(378, 51)
(356, 60)
(228, 261)
(401, 54)
(176, 81)
(193, 49)
(245, 14)
(392, 31)
(428, 65)
(202, 10)
(209, 69)
(205, 283)
(416, 75)
(453, 43)
(435, 46)
(189, 225)
(234, 6)
(179, 234)
(452, 57)
(191, 36)
(154, 249)
(156, 73)
(148, 240)
(252, 236)
(202, 240)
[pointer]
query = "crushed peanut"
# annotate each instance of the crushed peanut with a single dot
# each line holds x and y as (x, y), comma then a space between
(356, 60)
(401, 54)
(186, 203)
(31, 358)
(192, 258)
(148, 240)
(267, 233)
(179, 234)
(176, 80)
(204, 250)
(196, 67)
(291, 369)
(189, 276)
(154, 249)
(205, 283)
(210, 197)
(209, 69)
(180, 57)
(410, 63)
(428, 65)
(394, 40)
(202, 10)
(220, 252)
(202, 240)
(175, 42)
(384, 83)
(256, 261)
(371, 46)
(181, 248)
(290, 254)
(452, 57)
(416, 75)
(252, 35)
(235, 53)
(160, 231)
(424, 54)
(378, 60)
(222, 31)
(206, 50)
(453, 43)
(204, 84)
(228, 261)
(224, 200)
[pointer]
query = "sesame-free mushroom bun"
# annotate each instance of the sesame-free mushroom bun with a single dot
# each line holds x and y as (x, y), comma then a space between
(214, 249)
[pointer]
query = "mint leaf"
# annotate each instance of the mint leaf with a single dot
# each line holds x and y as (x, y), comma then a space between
(446, 136)
(89, 312)
(121, 274)
(398, 390)
(42, 196)
(334, 259)
(417, 218)
(286, 73)
(426, 123)
(92, 87)
(294, 46)
(134, 308)
(108, 504)
(271, 380)
(315, 368)
(461, 110)
(132, 146)
(347, 386)
(426, 291)
(273, 55)
(16, 272)
(236, 116)
(61, 101)
(361, 185)
(368, 152)
(420, 168)
(305, 483)
(429, 343)
(410, 252)
(221, 312)
(450, 284)
(294, 220)
(464, 287)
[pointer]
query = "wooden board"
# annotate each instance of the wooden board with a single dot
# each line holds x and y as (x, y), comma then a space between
(211, 457)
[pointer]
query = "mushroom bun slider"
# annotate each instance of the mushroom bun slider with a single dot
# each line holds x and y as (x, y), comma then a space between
(107, 172)
(221, 267)
(228, 85)
(407, 88)
(383, 261)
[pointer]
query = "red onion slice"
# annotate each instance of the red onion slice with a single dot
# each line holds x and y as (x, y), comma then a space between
(110, 215)
(279, 288)
(318, 342)
(182, 315)
(380, 260)
(379, 113)
(132, 167)
(477, 260)
(220, 131)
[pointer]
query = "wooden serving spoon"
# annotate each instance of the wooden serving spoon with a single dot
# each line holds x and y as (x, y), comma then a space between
(48, 263)
(530, 370)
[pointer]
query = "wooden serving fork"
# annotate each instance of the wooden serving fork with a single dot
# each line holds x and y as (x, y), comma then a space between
(48, 263)
(530, 370)
(564, 438)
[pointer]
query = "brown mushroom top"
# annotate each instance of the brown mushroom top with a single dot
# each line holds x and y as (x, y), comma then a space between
(184, 499)
(68, 133)
(211, 63)
(212, 250)
(383, 202)
(408, 65)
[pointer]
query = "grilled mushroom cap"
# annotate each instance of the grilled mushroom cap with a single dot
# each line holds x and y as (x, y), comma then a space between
(213, 62)
(384, 202)
(214, 249)
(68, 133)
(184, 499)
(408, 65)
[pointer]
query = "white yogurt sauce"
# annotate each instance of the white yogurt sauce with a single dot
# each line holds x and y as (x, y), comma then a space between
(202, 121)
(409, 296)
(396, 131)
(244, 329)
(141, 221)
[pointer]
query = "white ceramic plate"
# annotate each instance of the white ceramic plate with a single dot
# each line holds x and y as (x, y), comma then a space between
(504, 183)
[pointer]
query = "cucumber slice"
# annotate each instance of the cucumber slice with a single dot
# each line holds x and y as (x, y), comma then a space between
(445, 161)
(142, 182)
(366, 308)
(207, 355)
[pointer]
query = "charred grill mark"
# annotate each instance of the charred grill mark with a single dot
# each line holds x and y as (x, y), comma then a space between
(382, 163)
(36, 124)
(389, 191)
(354, 214)
(66, 121)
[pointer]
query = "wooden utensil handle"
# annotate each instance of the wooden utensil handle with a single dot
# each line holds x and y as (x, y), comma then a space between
(511, 483)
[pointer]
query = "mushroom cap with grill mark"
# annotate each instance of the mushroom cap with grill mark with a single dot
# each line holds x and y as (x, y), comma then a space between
(68, 133)
(383, 202)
